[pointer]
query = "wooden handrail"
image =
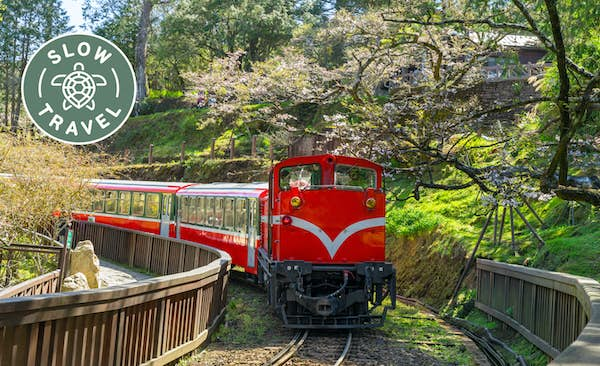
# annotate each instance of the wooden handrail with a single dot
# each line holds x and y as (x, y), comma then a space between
(44, 284)
(558, 312)
(154, 321)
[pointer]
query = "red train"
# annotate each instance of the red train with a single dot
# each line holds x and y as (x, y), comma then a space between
(314, 236)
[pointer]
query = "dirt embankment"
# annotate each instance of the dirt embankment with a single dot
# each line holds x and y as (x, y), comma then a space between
(427, 265)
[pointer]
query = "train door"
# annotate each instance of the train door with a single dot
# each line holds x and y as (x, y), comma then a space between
(252, 235)
(165, 215)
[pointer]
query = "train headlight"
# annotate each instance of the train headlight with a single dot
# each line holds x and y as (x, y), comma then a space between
(296, 201)
(370, 203)
(286, 220)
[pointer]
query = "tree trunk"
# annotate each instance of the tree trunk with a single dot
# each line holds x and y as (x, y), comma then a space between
(141, 45)
(7, 77)
(24, 59)
(560, 159)
(13, 84)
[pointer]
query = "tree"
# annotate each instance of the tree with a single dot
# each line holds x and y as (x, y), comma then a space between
(127, 23)
(573, 84)
(43, 177)
(26, 25)
(256, 27)
(141, 48)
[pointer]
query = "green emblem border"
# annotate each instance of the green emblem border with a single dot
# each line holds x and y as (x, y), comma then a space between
(88, 35)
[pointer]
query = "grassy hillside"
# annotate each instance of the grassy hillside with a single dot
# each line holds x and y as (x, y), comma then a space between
(166, 131)
(440, 229)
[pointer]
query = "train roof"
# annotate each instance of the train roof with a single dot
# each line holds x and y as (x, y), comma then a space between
(226, 189)
(134, 185)
(336, 159)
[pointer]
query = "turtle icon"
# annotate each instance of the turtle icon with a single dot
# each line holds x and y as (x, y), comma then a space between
(78, 87)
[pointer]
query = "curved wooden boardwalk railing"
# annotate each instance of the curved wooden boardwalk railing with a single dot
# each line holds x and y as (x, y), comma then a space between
(154, 321)
(558, 312)
(44, 284)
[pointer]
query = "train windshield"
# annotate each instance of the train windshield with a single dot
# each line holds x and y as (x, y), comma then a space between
(355, 177)
(301, 176)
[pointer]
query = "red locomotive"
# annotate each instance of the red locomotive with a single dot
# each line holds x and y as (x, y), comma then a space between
(314, 236)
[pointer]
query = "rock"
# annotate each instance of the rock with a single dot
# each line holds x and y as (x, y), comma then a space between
(83, 260)
(75, 282)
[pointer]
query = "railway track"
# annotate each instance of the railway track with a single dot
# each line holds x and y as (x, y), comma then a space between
(291, 350)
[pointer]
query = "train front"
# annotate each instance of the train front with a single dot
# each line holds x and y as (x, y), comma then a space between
(326, 241)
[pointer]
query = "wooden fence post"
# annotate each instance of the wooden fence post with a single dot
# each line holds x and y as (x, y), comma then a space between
(150, 157)
(182, 157)
(212, 148)
(254, 146)
(232, 148)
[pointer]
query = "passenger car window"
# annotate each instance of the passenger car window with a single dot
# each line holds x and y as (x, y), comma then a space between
(98, 204)
(185, 204)
(201, 211)
(240, 215)
(210, 211)
(152, 204)
(229, 213)
(111, 201)
(193, 212)
(218, 212)
(301, 176)
(354, 176)
(124, 203)
(139, 199)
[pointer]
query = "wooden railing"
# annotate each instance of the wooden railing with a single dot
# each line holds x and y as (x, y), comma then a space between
(40, 285)
(557, 312)
(154, 321)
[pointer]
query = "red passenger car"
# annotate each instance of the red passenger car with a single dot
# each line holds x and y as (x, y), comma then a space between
(314, 235)
(136, 205)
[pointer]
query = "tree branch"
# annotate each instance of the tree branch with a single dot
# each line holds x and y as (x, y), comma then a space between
(514, 26)
(445, 187)
(578, 194)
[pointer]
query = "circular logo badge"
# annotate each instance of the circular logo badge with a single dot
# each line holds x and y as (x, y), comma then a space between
(78, 88)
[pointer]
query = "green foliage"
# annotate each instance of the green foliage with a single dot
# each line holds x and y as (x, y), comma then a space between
(24, 26)
(166, 131)
(533, 356)
(408, 222)
(115, 20)
(164, 93)
(423, 332)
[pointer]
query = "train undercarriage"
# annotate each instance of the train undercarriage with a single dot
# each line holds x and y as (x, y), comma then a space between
(307, 296)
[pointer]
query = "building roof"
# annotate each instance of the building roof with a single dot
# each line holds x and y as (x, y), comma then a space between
(509, 40)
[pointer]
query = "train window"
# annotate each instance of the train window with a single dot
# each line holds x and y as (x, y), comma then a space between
(193, 211)
(218, 212)
(254, 214)
(301, 176)
(210, 211)
(185, 203)
(354, 176)
(138, 201)
(98, 203)
(201, 211)
(240, 215)
(111, 202)
(124, 203)
(152, 204)
(229, 213)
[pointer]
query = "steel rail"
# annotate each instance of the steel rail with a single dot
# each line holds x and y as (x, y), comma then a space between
(288, 351)
(342, 358)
